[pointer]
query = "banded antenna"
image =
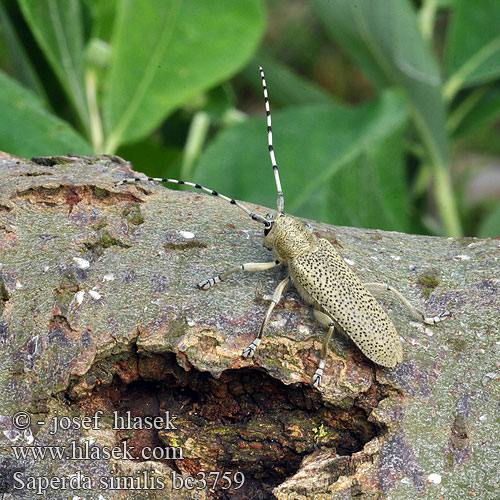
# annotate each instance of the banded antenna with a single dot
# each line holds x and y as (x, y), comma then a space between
(253, 215)
(281, 200)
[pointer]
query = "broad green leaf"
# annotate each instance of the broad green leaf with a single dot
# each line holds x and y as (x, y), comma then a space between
(377, 175)
(490, 228)
(337, 164)
(165, 52)
(473, 44)
(384, 39)
(58, 28)
(28, 129)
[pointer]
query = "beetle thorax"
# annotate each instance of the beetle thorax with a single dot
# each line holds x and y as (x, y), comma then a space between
(289, 239)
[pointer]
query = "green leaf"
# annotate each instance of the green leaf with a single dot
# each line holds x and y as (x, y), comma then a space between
(58, 28)
(165, 52)
(384, 39)
(484, 110)
(103, 18)
(28, 129)
(370, 191)
(18, 61)
(288, 87)
(152, 158)
(337, 164)
(473, 44)
(490, 228)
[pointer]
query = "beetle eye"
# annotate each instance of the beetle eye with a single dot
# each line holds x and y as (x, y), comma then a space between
(268, 228)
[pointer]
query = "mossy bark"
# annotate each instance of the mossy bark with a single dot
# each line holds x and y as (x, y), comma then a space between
(100, 312)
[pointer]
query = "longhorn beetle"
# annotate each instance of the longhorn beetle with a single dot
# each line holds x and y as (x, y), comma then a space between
(340, 300)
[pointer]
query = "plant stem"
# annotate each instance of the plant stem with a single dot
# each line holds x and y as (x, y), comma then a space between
(194, 143)
(457, 80)
(443, 187)
(463, 109)
(426, 19)
(446, 201)
(96, 132)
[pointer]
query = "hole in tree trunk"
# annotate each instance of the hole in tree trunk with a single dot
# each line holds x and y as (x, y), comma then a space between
(243, 422)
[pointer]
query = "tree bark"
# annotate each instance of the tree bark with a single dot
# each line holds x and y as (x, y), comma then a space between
(100, 315)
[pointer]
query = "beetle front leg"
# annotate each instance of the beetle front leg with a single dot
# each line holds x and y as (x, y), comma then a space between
(249, 267)
(250, 350)
(429, 320)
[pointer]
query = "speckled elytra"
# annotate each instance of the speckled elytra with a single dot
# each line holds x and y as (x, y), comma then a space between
(340, 300)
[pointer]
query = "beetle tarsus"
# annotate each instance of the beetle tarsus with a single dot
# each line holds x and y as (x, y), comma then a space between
(250, 350)
(318, 374)
(437, 319)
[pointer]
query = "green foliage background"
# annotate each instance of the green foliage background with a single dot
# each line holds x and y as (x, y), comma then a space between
(375, 104)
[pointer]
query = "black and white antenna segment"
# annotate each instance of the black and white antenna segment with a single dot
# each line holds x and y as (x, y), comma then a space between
(253, 215)
(281, 201)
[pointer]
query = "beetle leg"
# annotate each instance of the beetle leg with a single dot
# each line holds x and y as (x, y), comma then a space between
(324, 320)
(250, 350)
(249, 267)
(430, 320)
